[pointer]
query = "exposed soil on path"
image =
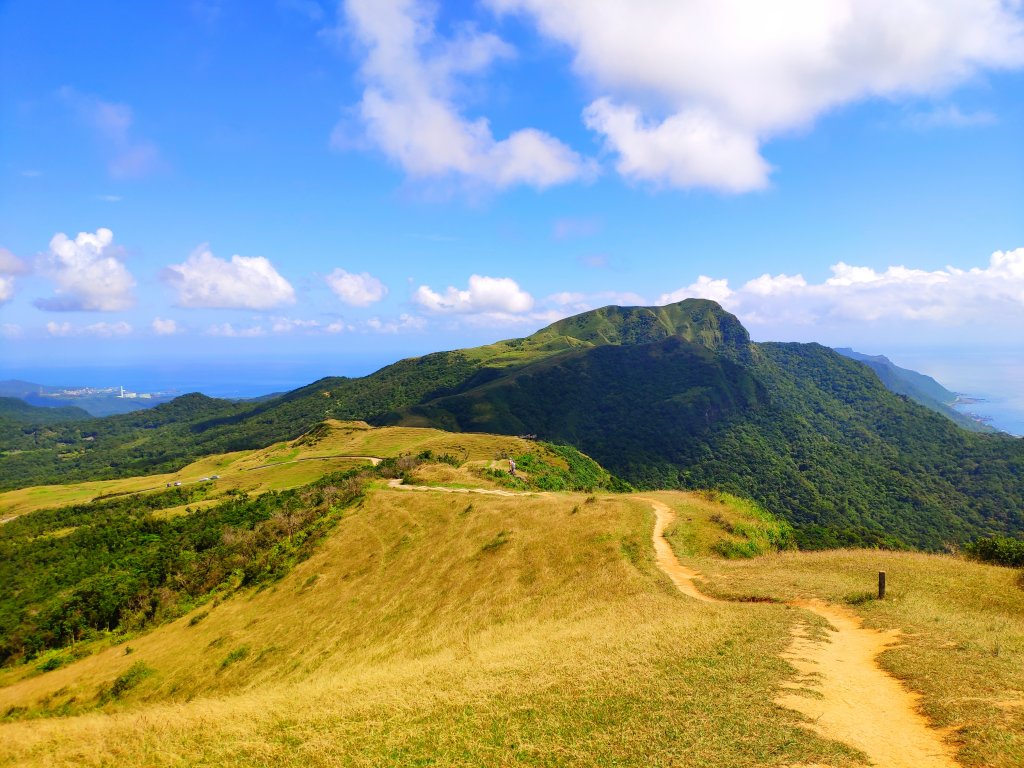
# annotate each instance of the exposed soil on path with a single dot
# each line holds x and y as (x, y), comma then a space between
(681, 576)
(375, 460)
(397, 484)
(841, 689)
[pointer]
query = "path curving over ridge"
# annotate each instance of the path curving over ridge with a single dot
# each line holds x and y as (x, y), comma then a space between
(860, 704)
(852, 699)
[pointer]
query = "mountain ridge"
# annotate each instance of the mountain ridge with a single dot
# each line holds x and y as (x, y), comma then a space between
(674, 396)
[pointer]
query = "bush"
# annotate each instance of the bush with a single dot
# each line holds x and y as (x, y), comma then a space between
(127, 680)
(999, 550)
(236, 655)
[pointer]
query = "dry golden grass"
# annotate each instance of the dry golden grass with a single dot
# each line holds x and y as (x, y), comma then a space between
(962, 624)
(449, 630)
(279, 466)
(472, 630)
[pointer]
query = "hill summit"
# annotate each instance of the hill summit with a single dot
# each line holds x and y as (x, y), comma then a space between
(664, 397)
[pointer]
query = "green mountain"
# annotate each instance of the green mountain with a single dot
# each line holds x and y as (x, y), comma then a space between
(16, 411)
(672, 396)
(917, 386)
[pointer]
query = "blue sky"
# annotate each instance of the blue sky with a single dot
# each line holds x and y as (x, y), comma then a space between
(396, 177)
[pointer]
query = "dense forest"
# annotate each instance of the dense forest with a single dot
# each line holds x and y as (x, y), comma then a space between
(673, 396)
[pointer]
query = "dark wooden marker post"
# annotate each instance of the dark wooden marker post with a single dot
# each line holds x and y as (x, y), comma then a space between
(881, 585)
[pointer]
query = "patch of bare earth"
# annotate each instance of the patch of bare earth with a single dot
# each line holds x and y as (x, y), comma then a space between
(841, 690)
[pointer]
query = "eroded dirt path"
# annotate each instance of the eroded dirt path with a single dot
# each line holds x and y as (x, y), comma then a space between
(398, 485)
(841, 689)
(681, 576)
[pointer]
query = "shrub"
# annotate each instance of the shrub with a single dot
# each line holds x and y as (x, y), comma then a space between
(127, 680)
(236, 655)
(999, 550)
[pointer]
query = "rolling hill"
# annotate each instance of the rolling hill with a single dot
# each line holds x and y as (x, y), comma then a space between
(453, 620)
(16, 412)
(675, 396)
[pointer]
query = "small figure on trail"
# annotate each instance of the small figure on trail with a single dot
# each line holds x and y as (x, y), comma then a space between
(511, 466)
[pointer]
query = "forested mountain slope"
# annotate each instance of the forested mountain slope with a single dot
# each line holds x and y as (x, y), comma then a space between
(673, 396)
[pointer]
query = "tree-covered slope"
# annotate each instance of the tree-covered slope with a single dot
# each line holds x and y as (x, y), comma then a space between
(167, 437)
(672, 396)
(18, 418)
(18, 411)
(812, 435)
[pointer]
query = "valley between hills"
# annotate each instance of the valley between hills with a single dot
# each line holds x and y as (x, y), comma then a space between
(681, 571)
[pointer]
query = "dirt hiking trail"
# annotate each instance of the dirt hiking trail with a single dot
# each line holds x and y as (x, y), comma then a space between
(851, 698)
(398, 485)
(840, 688)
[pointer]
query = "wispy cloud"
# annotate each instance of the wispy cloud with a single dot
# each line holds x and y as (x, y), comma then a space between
(569, 228)
(129, 156)
(228, 330)
(949, 116)
(102, 330)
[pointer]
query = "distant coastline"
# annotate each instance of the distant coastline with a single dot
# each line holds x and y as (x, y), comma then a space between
(992, 412)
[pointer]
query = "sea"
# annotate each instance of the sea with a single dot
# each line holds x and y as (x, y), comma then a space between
(227, 380)
(990, 382)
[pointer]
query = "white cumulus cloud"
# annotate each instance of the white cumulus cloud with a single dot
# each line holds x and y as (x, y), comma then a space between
(10, 265)
(409, 108)
(357, 290)
(6, 288)
(244, 282)
(164, 327)
(688, 92)
(88, 273)
(103, 330)
(992, 295)
(229, 331)
(483, 295)
(404, 322)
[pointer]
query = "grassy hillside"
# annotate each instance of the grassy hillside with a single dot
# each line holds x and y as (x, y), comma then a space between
(961, 622)
(458, 628)
(671, 396)
(441, 629)
(810, 434)
(330, 446)
(93, 570)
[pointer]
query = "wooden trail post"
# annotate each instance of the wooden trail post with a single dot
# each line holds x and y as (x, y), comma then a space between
(881, 585)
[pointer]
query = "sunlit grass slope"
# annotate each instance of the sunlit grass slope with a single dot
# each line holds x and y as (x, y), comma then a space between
(962, 622)
(326, 448)
(441, 629)
(436, 628)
